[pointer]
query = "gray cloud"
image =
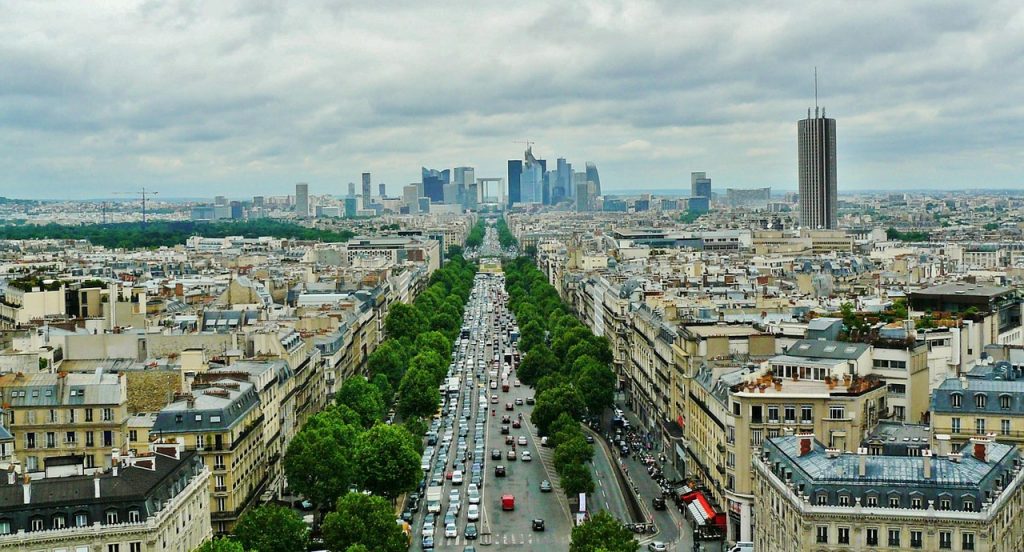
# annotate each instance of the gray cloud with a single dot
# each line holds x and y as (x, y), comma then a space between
(249, 97)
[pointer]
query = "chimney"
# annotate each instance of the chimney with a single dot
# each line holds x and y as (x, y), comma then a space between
(955, 457)
(926, 454)
(26, 488)
(806, 443)
(11, 476)
(832, 453)
(942, 443)
(980, 447)
(963, 382)
(96, 484)
(862, 464)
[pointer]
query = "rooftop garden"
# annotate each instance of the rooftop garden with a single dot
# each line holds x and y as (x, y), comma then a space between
(28, 283)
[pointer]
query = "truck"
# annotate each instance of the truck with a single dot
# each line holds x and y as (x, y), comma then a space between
(453, 386)
(434, 499)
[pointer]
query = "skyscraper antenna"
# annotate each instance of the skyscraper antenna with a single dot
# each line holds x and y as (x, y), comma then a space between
(815, 87)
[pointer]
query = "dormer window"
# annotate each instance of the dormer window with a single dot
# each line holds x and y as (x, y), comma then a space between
(1005, 402)
(980, 400)
(955, 400)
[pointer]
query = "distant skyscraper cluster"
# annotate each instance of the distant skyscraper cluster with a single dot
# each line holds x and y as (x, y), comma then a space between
(816, 137)
(530, 181)
(302, 200)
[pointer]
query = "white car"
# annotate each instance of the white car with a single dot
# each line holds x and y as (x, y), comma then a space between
(457, 477)
(522, 440)
(473, 513)
(428, 528)
(526, 456)
(451, 531)
(474, 494)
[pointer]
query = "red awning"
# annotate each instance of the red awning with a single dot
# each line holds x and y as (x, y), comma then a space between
(697, 501)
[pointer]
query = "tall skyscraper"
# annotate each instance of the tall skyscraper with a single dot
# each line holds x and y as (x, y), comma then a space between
(515, 179)
(592, 176)
(700, 185)
(563, 182)
(816, 139)
(463, 177)
(531, 183)
(302, 200)
(434, 182)
(366, 190)
(351, 189)
(383, 190)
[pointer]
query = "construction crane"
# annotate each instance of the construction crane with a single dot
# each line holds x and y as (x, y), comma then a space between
(142, 193)
(529, 143)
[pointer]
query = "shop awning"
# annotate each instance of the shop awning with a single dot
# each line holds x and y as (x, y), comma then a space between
(697, 513)
(701, 510)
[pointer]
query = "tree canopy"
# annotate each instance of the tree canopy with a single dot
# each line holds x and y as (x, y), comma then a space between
(366, 520)
(388, 462)
(318, 461)
(272, 528)
(602, 532)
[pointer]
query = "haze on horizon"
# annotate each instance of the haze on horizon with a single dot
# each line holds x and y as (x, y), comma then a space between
(240, 98)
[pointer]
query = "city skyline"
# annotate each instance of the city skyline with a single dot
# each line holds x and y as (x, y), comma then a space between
(94, 109)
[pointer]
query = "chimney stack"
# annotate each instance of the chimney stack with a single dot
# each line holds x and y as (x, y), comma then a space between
(10, 474)
(26, 488)
(963, 382)
(862, 461)
(806, 443)
(926, 454)
(980, 447)
(96, 484)
(942, 443)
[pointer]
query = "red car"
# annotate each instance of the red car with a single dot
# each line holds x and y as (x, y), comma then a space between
(517, 424)
(448, 475)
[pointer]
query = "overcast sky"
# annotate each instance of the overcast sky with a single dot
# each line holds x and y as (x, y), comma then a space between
(240, 98)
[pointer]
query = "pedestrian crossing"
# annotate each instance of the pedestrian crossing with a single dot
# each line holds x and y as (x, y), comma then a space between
(504, 539)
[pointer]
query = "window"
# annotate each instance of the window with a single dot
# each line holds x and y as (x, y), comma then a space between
(916, 540)
(844, 500)
(756, 437)
(945, 540)
(113, 548)
(967, 541)
(945, 504)
(822, 534)
(1005, 401)
(844, 535)
(980, 400)
(108, 415)
(59, 521)
(822, 499)
(53, 416)
(790, 414)
(806, 414)
(872, 536)
(71, 415)
(773, 414)
(5, 527)
(133, 516)
(36, 524)
(30, 440)
(81, 519)
(979, 426)
(221, 504)
(837, 412)
(735, 409)
(894, 537)
(135, 547)
(968, 505)
(755, 414)
(88, 414)
(133, 435)
(1004, 427)
(916, 502)
(894, 502)
(871, 501)
(954, 425)
(51, 439)
(108, 438)
(70, 438)
(111, 517)
(955, 400)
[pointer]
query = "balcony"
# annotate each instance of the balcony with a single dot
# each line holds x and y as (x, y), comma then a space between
(720, 446)
(219, 467)
(220, 489)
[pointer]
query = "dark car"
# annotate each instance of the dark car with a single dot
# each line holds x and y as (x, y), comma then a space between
(538, 524)
(407, 516)
(530, 400)
(505, 418)
(495, 454)
(590, 439)
(470, 532)
(504, 430)
(658, 503)
(508, 406)
(499, 471)
(545, 486)
(516, 424)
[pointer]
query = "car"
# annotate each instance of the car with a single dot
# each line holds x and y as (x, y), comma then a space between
(543, 441)
(505, 418)
(530, 400)
(449, 518)
(495, 454)
(449, 474)
(743, 546)
(504, 430)
(657, 546)
(457, 477)
(499, 471)
(545, 486)
(494, 399)
(538, 524)
(510, 455)
(516, 424)
(470, 532)
(451, 531)
(477, 480)
(473, 513)
(473, 494)
(407, 516)
(658, 503)
(526, 457)
(428, 542)
(590, 439)
(517, 385)
(469, 548)
(519, 402)
(510, 440)
(508, 502)
(522, 440)
(508, 406)
(454, 496)
(428, 528)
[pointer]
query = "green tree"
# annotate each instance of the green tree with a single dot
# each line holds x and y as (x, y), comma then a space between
(596, 383)
(537, 363)
(383, 385)
(602, 531)
(563, 429)
(532, 334)
(390, 358)
(364, 398)
(418, 394)
(432, 363)
(404, 321)
(366, 520)
(417, 427)
(388, 463)
(576, 479)
(357, 548)
(434, 341)
(552, 403)
(220, 545)
(272, 528)
(574, 450)
(318, 461)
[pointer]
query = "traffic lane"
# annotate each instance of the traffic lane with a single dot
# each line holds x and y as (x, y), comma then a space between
(607, 489)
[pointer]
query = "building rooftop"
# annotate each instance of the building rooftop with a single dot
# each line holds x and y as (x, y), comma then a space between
(840, 350)
(962, 289)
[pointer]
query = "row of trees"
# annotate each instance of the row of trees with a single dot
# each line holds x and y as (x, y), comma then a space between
(505, 237)
(568, 366)
(476, 234)
(131, 235)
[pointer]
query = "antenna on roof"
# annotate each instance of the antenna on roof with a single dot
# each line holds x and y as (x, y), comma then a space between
(815, 91)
